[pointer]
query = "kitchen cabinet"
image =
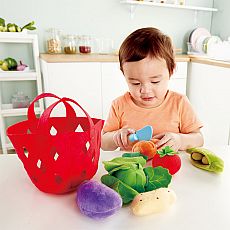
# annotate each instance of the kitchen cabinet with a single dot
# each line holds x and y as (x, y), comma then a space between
(79, 81)
(94, 84)
(31, 78)
(114, 85)
(208, 91)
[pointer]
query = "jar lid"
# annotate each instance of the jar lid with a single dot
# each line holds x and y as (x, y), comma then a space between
(85, 36)
(69, 36)
(53, 30)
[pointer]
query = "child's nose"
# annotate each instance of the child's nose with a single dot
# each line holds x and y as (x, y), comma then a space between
(145, 89)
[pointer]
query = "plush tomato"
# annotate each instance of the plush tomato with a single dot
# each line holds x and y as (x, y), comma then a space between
(147, 148)
(167, 158)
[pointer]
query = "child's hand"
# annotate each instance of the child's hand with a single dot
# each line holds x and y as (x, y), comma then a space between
(169, 139)
(120, 137)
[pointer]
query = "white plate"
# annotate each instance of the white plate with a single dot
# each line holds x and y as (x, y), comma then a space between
(198, 32)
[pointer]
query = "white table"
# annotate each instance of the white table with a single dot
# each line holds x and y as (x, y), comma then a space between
(203, 201)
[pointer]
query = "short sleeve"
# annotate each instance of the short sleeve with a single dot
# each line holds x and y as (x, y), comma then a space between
(189, 121)
(112, 122)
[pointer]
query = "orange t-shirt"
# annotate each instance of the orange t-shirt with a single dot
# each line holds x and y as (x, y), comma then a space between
(175, 115)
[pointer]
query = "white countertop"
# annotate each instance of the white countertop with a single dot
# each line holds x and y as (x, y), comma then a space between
(202, 201)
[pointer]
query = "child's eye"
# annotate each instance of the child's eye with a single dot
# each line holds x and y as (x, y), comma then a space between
(135, 83)
(155, 82)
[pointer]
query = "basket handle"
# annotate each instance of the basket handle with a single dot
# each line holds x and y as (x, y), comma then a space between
(31, 113)
(43, 121)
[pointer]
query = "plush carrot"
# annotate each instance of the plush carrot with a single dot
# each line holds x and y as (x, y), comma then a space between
(147, 148)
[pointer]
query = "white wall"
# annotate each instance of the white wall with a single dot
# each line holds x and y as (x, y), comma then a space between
(220, 21)
(103, 18)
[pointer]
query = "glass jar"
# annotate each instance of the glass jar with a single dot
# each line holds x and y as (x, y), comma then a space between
(85, 44)
(70, 46)
(53, 41)
(19, 100)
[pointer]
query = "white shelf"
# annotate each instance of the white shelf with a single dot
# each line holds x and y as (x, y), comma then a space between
(10, 112)
(9, 146)
(16, 37)
(6, 110)
(18, 75)
(154, 4)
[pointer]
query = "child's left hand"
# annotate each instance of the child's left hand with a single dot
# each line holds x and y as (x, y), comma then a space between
(168, 139)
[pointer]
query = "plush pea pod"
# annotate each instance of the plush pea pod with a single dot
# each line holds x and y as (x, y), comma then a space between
(206, 159)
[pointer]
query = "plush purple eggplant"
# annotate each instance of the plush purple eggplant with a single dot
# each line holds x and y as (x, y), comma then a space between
(96, 200)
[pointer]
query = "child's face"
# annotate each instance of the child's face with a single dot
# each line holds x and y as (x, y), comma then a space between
(147, 81)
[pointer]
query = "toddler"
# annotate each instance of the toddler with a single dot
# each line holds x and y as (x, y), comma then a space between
(147, 61)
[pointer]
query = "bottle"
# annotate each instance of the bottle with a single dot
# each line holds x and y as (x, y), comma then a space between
(53, 41)
(85, 44)
(70, 46)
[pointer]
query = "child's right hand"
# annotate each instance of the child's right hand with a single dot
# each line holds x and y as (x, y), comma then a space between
(121, 137)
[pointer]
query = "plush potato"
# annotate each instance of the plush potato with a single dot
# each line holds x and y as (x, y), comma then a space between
(96, 200)
(153, 202)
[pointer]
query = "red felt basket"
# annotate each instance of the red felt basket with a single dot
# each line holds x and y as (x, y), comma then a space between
(57, 163)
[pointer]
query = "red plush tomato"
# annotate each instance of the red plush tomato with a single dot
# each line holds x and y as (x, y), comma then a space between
(167, 158)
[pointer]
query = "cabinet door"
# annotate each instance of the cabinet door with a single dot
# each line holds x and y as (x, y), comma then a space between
(178, 80)
(113, 85)
(79, 81)
(209, 93)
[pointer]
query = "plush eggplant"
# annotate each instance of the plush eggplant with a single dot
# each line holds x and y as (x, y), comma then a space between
(96, 200)
(205, 159)
(153, 202)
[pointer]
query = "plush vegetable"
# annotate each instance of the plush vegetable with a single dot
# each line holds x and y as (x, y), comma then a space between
(205, 159)
(29, 26)
(3, 27)
(12, 27)
(21, 66)
(126, 192)
(134, 154)
(2, 22)
(158, 177)
(128, 170)
(153, 202)
(147, 148)
(9, 64)
(128, 177)
(96, 200)
(167, 158)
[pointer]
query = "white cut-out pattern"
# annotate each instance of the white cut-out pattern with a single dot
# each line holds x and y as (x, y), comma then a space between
(26, 152)
(87, 145)
(28, 131)
(56, 156)
(53, 131)
(39, 163)
(79, 129)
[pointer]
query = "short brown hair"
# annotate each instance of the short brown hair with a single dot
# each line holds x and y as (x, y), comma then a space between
(147, 42)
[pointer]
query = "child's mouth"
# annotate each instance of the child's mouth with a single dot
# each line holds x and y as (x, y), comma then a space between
(147, 98)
